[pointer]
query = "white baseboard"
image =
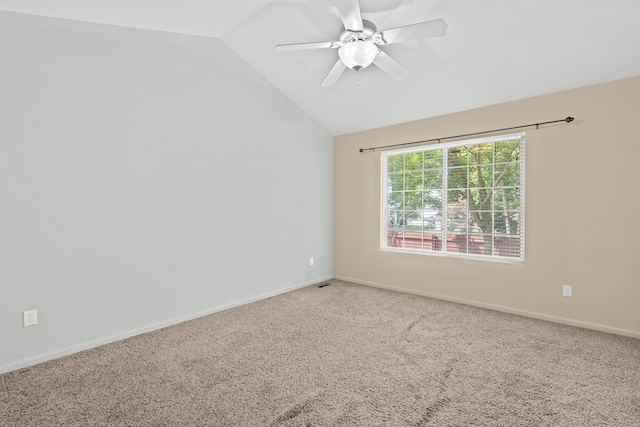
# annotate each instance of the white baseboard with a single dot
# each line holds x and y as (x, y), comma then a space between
(505, 309)
(106, 340)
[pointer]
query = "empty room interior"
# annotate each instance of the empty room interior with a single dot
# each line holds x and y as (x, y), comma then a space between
(303, 213)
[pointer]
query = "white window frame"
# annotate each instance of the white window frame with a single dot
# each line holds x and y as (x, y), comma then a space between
(443, 252)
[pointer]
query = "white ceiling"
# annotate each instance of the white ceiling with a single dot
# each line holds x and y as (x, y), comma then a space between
(494, 51)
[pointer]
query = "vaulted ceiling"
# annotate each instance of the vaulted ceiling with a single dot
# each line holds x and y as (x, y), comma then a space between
(494, 50)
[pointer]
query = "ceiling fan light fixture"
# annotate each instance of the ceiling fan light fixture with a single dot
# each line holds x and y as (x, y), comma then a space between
(358, 54)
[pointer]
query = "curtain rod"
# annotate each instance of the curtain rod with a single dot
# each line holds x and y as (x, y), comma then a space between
(438, 140)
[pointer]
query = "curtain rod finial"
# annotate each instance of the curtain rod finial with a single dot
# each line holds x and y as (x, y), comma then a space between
(569, 119)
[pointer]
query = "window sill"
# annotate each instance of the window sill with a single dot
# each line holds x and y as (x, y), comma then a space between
(500, 260)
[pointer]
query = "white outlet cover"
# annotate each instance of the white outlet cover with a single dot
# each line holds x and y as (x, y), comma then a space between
(567, 290)
(30, 317)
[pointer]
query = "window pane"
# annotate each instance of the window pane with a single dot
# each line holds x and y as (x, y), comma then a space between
(395, 201)
(433, 223)
(481, 199)
(482, 153)
(507, 151)
(412, 238)
(433, 179)
(507, 246)
(413, 181)
(395, 163)
(413, 200)
(413, 161)
(481, 222)
(433, 201)
(457, 222)
(433, 159)
(395, 239)
(394, 221)
(507, 175)
(507, 222)
(413, 221)
(396, 181)
(457, 177)
(480, 244)
(458, 156)
(481, 176)
(432, 241)
(506, 199)
(457, 243)
(457, 199)
(402, 220)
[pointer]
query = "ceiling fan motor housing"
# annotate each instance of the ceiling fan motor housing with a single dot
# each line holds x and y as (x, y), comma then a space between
(358, 48)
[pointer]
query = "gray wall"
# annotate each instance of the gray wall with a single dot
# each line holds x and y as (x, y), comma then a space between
(146, 178)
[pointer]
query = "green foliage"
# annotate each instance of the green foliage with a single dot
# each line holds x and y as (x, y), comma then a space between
(413, 161)
(395, 163)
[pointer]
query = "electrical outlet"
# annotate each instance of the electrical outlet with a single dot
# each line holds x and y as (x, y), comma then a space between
(311, 261)
(30, 317)
(567, 291)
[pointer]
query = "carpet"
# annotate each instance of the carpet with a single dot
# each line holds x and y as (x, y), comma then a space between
(339, 355)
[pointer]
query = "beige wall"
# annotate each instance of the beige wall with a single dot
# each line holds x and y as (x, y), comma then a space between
(582, 212)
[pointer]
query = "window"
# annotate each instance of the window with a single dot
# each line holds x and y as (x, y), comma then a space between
(464, 198)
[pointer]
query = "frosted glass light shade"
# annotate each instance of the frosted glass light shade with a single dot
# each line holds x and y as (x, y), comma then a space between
(358, 54)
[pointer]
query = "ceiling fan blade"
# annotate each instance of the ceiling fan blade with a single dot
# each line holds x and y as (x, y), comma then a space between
(305, 46)
(333, 75)
(350, 13)
(391, 66)
(421, 30)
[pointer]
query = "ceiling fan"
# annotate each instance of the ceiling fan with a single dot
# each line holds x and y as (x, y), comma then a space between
(359, 45)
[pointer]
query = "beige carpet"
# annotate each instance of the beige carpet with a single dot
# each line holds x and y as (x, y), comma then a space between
(339, 355)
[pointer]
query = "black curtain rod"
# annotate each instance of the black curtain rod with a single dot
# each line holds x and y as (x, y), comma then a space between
(438, 140)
